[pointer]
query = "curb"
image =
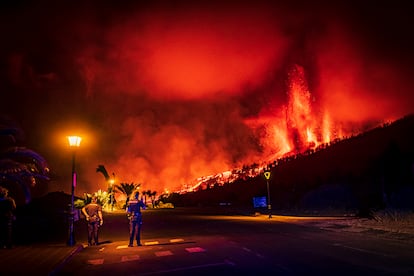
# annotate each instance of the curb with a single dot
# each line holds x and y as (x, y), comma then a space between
(75, 250)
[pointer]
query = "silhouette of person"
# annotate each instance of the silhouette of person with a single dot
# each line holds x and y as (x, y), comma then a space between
(7, 208)
(135, 218)
(93, 214)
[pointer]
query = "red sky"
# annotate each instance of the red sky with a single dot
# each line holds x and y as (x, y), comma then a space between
(168, 91)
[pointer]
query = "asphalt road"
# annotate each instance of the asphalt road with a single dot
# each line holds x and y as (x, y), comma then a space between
(201, 242)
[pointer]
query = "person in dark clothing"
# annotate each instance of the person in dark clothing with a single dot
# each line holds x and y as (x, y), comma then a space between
(93, 214)
(7, 208)
(135, 218)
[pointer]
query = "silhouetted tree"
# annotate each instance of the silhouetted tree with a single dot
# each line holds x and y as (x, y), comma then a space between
(102, 169)
(151, 195)
(127, 189)
(21, 169)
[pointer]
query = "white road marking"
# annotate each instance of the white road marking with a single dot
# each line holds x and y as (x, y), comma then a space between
(129, 258)
(363, 250)
(195, 249)
(246, 249)
(163, 253)
(151, 243)
(176, 240)
(255, 253)
(96, 261)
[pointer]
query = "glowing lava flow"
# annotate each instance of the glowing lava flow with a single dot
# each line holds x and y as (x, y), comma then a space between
(299, 119)
(296, 127)
(293, 129)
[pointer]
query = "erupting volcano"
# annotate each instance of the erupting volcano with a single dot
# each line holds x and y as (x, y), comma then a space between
(299, 126)
(172, 91)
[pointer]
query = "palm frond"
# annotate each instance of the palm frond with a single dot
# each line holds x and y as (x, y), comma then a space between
(102, 169)
(19, 166)
(37, 163)
(127, 188)
(12, 172)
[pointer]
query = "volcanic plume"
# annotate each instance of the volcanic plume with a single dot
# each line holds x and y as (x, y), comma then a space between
(169, 91)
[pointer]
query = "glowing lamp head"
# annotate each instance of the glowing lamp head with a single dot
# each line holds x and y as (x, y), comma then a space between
(74, 141)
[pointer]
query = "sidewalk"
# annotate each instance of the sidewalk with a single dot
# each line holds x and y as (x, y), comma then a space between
(36, 259)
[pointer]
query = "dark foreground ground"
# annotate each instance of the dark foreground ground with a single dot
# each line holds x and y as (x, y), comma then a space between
(41, 231)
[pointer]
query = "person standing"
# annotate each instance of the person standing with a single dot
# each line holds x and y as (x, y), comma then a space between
(135, 218)
(7, 208)
(93, 214)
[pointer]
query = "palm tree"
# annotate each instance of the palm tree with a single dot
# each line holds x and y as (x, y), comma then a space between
(111, 197)
(144, 195)
(152, 196)
(127, 189)
(102, 169)
(21, 169)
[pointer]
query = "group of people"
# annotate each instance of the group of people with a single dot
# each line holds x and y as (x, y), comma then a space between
(94, 218)
(91, 211)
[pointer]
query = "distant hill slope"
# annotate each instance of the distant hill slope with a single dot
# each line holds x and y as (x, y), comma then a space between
(370, 168)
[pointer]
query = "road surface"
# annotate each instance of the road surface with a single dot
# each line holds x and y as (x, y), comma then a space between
(196, 242)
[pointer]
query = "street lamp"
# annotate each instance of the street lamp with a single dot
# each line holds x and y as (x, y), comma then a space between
(269, 205)
(111, 191)
(74, 143)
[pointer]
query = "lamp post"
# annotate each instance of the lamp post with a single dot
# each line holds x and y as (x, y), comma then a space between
(74, 143)
(269, 205)
(111, 191)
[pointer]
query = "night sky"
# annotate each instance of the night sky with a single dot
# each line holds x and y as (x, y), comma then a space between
(167, 91)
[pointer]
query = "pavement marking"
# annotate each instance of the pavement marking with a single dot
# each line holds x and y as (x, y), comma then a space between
(163, 253)
(255, 253)
(151, 243)
(363, 250)
(195, 249)
(129, 258)
(229, 262)
(176, 240)
(96, 261)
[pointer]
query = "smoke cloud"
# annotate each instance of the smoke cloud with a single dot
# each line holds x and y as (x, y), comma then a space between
(173, 90)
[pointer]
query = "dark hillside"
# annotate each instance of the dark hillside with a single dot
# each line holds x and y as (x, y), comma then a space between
(363, 172)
